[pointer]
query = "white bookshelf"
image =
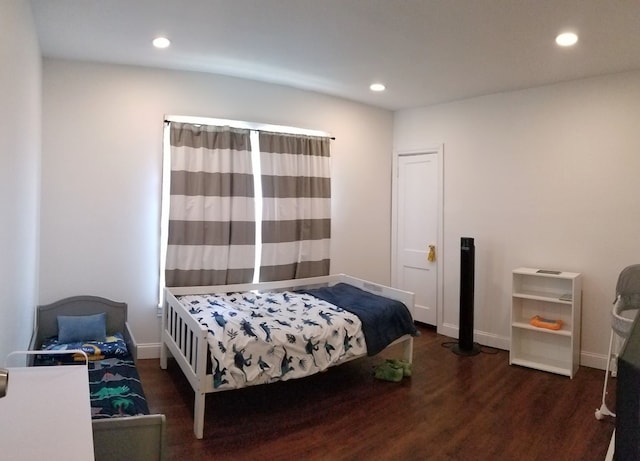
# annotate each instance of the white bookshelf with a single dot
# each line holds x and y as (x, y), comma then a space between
(551, 295)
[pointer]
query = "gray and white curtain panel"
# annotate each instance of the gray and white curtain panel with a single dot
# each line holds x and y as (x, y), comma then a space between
(296, 190)
(212, 225)
(211, 236)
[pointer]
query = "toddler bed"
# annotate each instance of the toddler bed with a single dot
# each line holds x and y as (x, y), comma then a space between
(121, 423)
(233, 336)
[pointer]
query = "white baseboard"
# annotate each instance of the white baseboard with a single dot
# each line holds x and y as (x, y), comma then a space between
(148, 350)
(480, 337)
(592, 360)
(449, 330)
(587, 359)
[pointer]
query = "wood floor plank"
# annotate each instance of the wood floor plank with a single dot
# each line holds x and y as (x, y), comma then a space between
(452, 408)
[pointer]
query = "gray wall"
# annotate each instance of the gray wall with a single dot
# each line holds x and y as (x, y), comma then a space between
(545, 177)
(101, 173)
(20, 74)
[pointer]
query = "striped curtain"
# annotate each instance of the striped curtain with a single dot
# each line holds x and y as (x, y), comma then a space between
(296, 214)
(211, 235)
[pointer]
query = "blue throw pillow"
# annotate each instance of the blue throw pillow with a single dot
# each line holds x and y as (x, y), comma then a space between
(82, 328)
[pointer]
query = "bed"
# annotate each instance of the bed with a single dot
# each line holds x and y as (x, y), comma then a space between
(122, 427)
(232, 336)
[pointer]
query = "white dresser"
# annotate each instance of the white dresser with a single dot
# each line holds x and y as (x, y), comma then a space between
(46, 414)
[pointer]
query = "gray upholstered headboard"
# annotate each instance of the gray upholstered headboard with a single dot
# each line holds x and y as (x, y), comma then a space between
(47, 315)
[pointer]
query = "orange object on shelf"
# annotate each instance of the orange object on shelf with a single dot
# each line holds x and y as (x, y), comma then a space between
(540, 322)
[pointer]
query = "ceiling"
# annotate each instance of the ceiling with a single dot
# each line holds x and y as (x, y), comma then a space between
(425, 51)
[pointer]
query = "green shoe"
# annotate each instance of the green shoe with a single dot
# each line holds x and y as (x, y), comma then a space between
(388, 372)
(403, 364)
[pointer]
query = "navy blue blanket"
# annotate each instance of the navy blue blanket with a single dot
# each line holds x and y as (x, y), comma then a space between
(383, 320)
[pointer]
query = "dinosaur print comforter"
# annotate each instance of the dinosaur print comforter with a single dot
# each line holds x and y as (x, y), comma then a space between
(258, 338)
(114, 385)
(115, 389)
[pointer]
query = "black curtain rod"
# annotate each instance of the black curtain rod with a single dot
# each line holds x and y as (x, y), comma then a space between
(330, 137)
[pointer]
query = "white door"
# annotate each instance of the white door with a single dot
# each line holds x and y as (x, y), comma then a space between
(416, 229)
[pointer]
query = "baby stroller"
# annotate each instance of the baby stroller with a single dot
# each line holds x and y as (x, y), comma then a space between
(625, 308)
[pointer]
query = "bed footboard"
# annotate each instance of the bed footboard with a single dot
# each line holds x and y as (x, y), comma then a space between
(134, 438)
(405, 297)
(186, 340)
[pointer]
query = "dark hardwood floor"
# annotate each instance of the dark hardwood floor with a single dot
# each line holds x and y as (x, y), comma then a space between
(452, 408)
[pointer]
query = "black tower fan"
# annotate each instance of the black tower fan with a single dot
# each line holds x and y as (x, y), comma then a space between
(465, 344)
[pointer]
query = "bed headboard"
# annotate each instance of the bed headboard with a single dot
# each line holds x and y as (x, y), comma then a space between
(47, 315)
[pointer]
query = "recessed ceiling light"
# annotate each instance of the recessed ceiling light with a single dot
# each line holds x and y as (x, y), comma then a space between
(161, 42)
(567, 39)
(377, 87)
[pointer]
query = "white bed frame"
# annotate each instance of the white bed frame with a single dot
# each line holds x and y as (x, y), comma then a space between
(186, 339)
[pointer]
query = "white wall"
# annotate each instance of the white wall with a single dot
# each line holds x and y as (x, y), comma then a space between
(101, 172)
(546, 177)
(20, 74)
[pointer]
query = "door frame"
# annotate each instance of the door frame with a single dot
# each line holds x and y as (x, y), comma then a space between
(438, 150)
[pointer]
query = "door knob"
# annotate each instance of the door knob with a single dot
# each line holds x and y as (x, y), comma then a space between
(4, 381)
(431, 257)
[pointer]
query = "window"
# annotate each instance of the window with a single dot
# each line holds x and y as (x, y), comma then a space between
(243, 202)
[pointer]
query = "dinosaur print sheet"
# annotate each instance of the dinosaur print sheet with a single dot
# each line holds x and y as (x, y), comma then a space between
(115, 389)
(114, 384)
(258, 338)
